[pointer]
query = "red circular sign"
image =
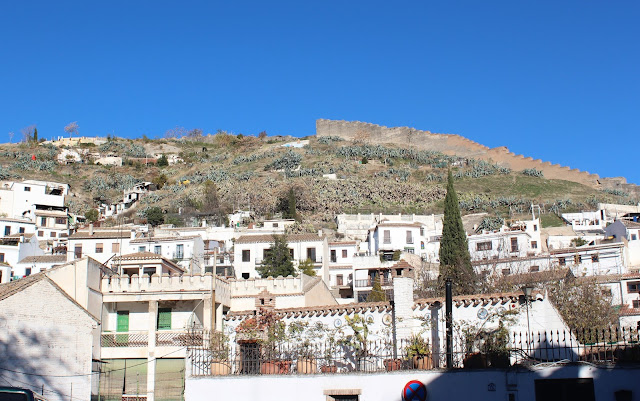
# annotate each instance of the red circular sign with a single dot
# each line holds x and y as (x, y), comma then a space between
(414, 391)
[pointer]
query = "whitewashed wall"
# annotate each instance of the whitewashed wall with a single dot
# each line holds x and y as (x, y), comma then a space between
(485, 385)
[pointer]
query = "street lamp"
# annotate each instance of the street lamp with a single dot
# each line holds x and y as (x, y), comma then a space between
(527, 290)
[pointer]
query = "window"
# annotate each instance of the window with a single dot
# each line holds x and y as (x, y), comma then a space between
(52, 234)
(115, 247)
(142, 249)
(562, 261)
(387, 237)
(534, 269)
(27, 271)
(409, 237)
(275, 225)
(534, 244)
(21, 230)
(422, 231)
(40, 233)
(595, 258)
(245, 276)
(179, 251)
(99, 247)
(636, 303)
(61, 220)
(344, 253)
(1, 257)
(157, 249)
(27, 189)
(577, 259)
(535, 227)
(506, 272)
(334, 256)
(339, 279)
(311, 254)
(7, 230)
(514, 245)
(484, 246)
(78, 251)
(343, 394)
(634, 286)
(43, 221)
(633, 237)
(266, 253)
(164, 318)
(246, 256)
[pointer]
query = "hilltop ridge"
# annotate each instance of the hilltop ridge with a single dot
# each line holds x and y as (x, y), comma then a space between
(453, 144)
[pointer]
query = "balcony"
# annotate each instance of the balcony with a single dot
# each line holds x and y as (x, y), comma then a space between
(368, 282)
(125, 339)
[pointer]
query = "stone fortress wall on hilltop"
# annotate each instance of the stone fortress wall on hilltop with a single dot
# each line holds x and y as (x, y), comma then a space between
(451, 144)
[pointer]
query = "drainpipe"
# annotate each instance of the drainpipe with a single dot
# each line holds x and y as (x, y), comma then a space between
(449, 323)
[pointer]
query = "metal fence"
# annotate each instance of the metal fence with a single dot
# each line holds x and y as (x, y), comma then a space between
(252, 358)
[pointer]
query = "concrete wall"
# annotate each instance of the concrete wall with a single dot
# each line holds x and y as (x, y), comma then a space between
(51, 337)
(484, 385)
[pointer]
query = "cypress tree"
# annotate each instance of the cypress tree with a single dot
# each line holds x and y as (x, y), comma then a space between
(278, 261)
(377, 293)
(455, 261)
(35, 135)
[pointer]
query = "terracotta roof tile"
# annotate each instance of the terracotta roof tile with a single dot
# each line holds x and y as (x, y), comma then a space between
(262, 238)
(45, 259)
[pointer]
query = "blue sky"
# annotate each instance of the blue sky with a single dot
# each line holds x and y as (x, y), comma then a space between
(553, 80)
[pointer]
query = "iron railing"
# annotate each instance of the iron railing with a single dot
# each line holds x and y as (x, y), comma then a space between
(368, 282)
(125, 339)
(592, 346)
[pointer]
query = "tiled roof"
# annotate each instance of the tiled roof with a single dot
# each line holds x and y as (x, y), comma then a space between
(48, 213)
(100, 234)
(344, 243)
(145, 240)
(630, 224)
(13, 287)
(268, 238)
(386, 224)
(17, 236)
(319, 310)
(476, 299)
(627, 311)
(45, 259)
(402, 264)
(146, 256)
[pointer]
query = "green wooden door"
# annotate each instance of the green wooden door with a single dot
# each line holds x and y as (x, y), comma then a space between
(122, 326)
(164, 318)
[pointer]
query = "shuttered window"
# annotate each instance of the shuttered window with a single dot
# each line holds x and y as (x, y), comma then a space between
(123, 321)
(164, 318)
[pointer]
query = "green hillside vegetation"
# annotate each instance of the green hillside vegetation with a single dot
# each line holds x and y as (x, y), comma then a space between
(259, 173)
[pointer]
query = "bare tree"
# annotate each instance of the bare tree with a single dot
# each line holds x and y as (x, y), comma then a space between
(71, 129)
(27, 133)
(176, 132)
(194, 134)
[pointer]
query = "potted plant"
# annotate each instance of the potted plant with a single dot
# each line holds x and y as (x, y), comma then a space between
(274, 357)
(219, 345)
(330, 352)
(304, 338)
(496, 346)
(419, 352)
(358, 341)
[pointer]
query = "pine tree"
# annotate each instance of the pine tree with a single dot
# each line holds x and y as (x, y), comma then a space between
(35, 135)
(455, 261)
(278, 261)
(377, 293)
(306, 267)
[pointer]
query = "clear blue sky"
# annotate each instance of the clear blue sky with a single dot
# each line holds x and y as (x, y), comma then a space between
(557, 80)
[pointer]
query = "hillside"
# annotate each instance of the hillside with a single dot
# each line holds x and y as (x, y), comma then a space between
(250, 172)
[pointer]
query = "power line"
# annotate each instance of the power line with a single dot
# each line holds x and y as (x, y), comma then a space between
(94, 373)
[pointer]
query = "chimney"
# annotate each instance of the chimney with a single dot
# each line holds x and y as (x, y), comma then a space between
(21, 238)
(90, 228)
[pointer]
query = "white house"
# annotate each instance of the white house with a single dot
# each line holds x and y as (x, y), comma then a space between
(594, 221)
(100, 244)
(250, 250)
(35, 264)
(48, 339)
(341, 271)
(16, 247)
(186, 251)
(17, 226)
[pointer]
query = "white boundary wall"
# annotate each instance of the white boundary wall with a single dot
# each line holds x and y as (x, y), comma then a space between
(451, 386)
